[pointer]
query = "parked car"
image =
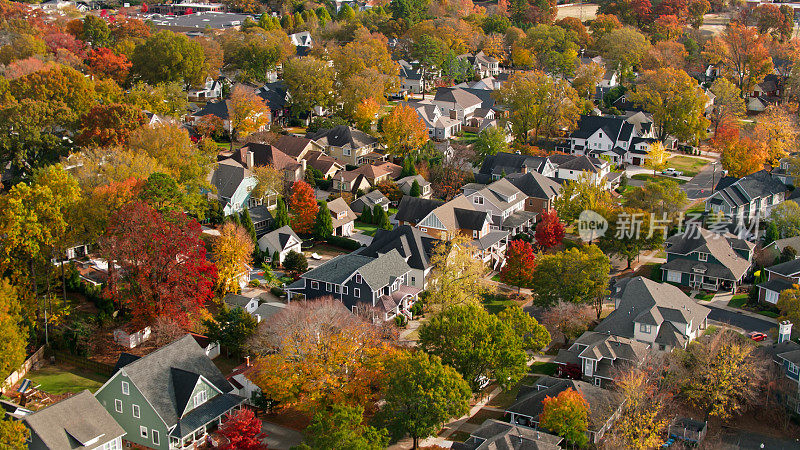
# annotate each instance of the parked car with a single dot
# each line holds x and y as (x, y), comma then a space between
(672, 172)
(756, 336)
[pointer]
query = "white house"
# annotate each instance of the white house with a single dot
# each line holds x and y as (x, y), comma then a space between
(283, 240)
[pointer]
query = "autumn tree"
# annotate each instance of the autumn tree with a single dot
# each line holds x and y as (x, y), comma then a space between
(539, 104)
(520, 262)
(554, 47)
(404, 131)
(550, 230)
(162, 192)
(567, 320)
(720, 374)
(740, 156)
(104, 62)
(566, 415)
(304, 207)
(231, 252)
(166, 57)
(316, 354)
(231, 328)
(677, 102)
(165, 99)
(778, 130)
(310, 81)
(661, 197)
(789, 304)
(476, 343)
(242, 431)
(631, 232)
(456, 277)
(421, 395)
(491, 141)
(161, 260)
(13, 433)
(743, 55)
(580, 195)
(109, 125)
(12, 333)
(341, 428)
(587, 77)
(247, 112)
(644, 413)
(623, 49)
(786, 218)
(534, 336)
(588, 270)
(728, 102)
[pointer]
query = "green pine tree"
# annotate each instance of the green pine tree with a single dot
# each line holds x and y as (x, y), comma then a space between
(366, 215)
(323, 225)
(276, 260)
(235, 219)
(415, 189)
(281, 215)
(377, 211)
(247, 223)
(383, 221)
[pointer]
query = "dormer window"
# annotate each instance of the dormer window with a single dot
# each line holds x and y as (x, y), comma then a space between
(702, 257)
(645, 328)
(478, 200)
(200, 398)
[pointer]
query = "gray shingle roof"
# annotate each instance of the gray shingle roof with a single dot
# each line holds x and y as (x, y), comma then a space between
(278, 239)
(742, 191)
(536, 185)
(235, 300)
(377, 272)
(384, 269)
(407, 240)
(721, 247)
(414, 209)
(370, 199)
(338, 269)
(337, 206)
(342, 135)
(228, 176)
(205, 413)
(71, 423)
(788, 268)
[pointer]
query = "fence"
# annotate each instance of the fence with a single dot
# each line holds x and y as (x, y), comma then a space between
(83, 363)
(31, 363)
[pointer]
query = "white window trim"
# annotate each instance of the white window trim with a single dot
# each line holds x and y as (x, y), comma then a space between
(344, 290)
(200, 398)
(702, 256)
(315, 285)
(644, 328)
(156, 437)
(357, 292)
(793, 368)
(137, 413)
(336, 288)
(126, 388)
(358, 278)
(118, 405)
(327, 287)
(143, 431)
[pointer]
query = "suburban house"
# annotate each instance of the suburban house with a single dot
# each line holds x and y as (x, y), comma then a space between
(373, 173)
(170, 398)
(233, 183)
(257, 155)
(342, 216)
(786, 354)
(361, 283)
(702, 259)
(765, 93)
(495, 435)
(248, 304)
(621, 140)
(785, 170)
(604, 405)
(277, 99)
(220, 109)
(596, 357)
(539, 190)
(658, 314)
(458, 104)
(412, 210)
(325, 164)
(241, 378)
(410, 78)
(283, 240)
(439, 124)
(572, 168)
(776, 247)
(413, 245)
(346, 144)
(503, 164)
(267, 309)
(483, 65)
(295, 146)
(406, 183)
(505, 202)
(211, 89)
(370, 200)
(780, 277)
(351, 181)
(747, 197)
(77, 422)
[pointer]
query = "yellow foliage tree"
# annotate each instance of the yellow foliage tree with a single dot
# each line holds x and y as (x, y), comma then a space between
(232, 251)
(643, 420)
(457, 277)
(365, 113)
(656, 157)
(778, 130)
(247, 112)
(404, 132)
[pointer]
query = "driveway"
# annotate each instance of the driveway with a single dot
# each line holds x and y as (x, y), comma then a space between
(361, 238)
(738, 320)
(279, 437)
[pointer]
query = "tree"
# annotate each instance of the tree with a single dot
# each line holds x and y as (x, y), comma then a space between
(566, 319)
(587, 269)
(580, 195)
(630, 232)
(109, 125)
(166, 57)
(719, 374)
(341, 428)
(778, 130)
(676, 101)
(623, 49)
(231, 328)
(366, 215)
(95, 31)
(242, 429)
(295, 262)
(404, 131)
(411, 11)
(587, 77)
(555, 48)
(12, 333)
(247, 224)
(310, 80)
(786, 217)
(105, 63)
(549, 231)
(365, 113)
(13, 433)
(520, 262)
(421, 395)
(161, 191)
(663, 197)
(415, 190)
(740, 157)
(742, 53)
(231, 252)
(313, 355)
(162, 263)
(534, 336)
(169, 99)
(491, 141)
(456, 277)
(270, 181)
(323, 224)
(643, 419)
(247, 112)
(728, 102)
(771, 234)
(539, 104)
(382, 220)
(789, 303)
(566, 415)
(281, 215)
(477, 344)
(656, 157)
(303, 204)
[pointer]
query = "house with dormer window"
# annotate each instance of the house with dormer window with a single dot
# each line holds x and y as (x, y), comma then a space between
(346, 144)
(505, 202)
(169, 399)
(597, 357)
(617, 139)
(702, 259)
(342, 216)
(749, 196)
(362, 283)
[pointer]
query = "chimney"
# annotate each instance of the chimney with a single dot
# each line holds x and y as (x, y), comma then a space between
(303, 164)
(247, 361)
(250, 159)
(784, 331)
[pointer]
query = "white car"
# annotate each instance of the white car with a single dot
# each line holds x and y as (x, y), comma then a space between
(672, 172)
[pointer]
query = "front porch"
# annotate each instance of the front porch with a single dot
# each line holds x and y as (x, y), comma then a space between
(195, 426)
(398, 302)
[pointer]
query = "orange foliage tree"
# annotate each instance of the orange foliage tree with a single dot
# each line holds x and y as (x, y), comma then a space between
(567, 415)
(743, 54)
(304, 207)
(103, 62)
(404, 131)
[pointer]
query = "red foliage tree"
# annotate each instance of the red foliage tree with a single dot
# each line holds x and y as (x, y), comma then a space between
(303, 204)
(243, 431)
(160, 267)
(520, 262)
(550, 231)
(103, 62)
(108, 125)
(678, 8)
(56, 41)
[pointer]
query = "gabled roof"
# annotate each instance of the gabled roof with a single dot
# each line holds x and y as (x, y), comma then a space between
(370, 199)
(154, 377)
(265, 155)
(788, 268)
(377, 272)
(536, 185)
(274, 95)
(410, 242)
(414, 209)
(278, 239)
(580, 163)
(737, 192)
(459, 213)
(340, 206)
(720, 246)
(322, 162)
(407, 182)
(497, 435)
(227, 177)
(343, 136)
(457, 96)
(502, 193)
(611, 126)
(292, 145)
(236, 300)
(218, 108)
(511, 163)
(78, 422)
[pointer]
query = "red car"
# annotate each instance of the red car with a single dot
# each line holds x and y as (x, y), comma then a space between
(756, 336)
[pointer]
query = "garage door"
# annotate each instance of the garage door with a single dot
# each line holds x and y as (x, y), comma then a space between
(673, 276)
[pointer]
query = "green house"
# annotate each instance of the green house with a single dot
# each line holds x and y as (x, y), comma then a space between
(169, 399)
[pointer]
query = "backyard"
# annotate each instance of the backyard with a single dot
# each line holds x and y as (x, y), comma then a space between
(58, 380)
(366, 228)
(690, 166)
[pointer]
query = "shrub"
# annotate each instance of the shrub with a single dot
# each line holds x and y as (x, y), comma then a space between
(277, 292)
(254, 283)
(416, 308)
(343, 242)
(400, 320)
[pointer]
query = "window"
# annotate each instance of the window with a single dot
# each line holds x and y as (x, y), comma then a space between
(156, 438)
(118, 405)
(597, 381)
(136, 412)
(199, 398)
(328, 287)
(358, 278)
(143, 431)
(644, 328)
(478, 200)
(336, 288)
(702, 256)
(474, 233)
(344, 290)
(314, 285)
(112, 445)
(357, 292)
(793, 368)
(413, 281)
(346, 151)
(126, 388)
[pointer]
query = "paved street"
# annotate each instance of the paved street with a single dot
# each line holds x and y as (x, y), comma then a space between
(700, 186)
(739, 320)
(747, 440)
(279, 437)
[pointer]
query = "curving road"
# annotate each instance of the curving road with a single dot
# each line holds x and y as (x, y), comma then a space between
(743, 321)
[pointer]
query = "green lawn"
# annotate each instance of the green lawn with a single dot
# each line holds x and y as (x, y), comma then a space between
(496, 303)
(484, 414)
(58, 380)
(705, 297)
(366, 228)
(690, 166)
(647, 177)
(544, 368)
(711, 329)
(737, 301)
(771, 314)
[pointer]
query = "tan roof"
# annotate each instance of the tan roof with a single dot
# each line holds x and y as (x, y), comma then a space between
(340, 206)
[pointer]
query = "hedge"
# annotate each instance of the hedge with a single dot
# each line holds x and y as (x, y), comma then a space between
(343, 242)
